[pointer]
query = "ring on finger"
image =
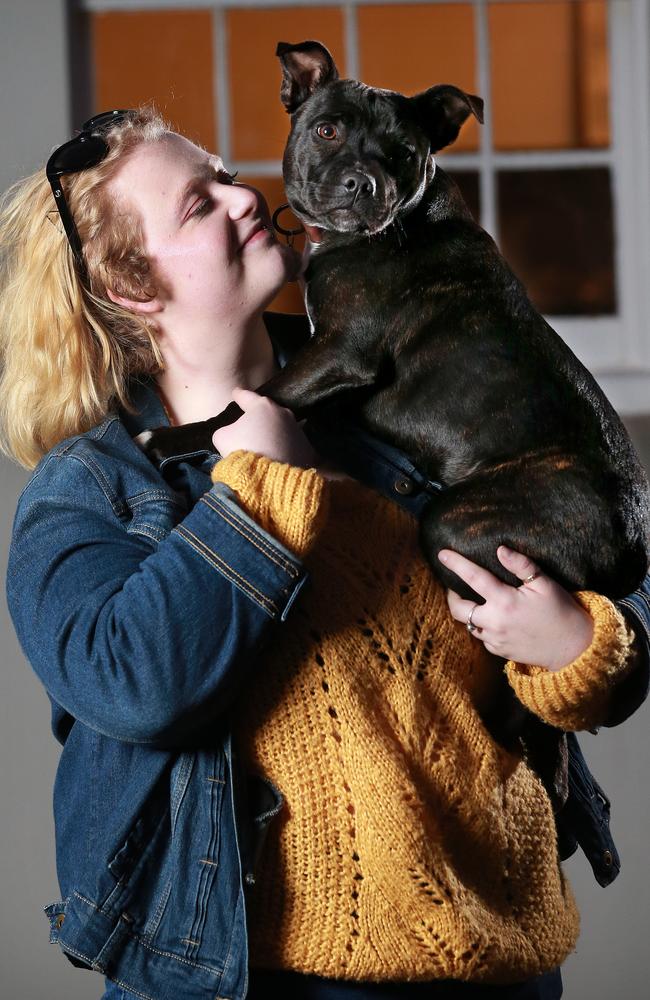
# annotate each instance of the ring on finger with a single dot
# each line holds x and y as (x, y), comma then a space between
(533, 576)
(469, 624)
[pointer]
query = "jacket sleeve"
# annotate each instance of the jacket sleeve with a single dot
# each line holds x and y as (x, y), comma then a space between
(147, 643)
(579, 695)
(633, 689)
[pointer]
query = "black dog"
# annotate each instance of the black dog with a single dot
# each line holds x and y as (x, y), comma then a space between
(421, 324)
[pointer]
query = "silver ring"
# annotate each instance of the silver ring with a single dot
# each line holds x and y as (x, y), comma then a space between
(533, 576)
(469, 624)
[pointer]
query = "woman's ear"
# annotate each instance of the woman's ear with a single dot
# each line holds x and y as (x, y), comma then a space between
(142, 307)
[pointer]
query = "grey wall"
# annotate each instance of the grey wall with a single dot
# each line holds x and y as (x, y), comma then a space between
(33, 118)
(611, 959)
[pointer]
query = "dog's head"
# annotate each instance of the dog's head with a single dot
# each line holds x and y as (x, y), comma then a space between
(359, 156)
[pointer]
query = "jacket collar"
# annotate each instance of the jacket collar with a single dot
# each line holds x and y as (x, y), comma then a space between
(287, 332)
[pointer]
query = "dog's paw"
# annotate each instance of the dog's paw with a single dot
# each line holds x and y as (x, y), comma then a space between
(142, 439)
(158, 443)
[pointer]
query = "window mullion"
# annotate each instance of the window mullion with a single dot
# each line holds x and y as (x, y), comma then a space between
(624, 116)
(487, 179)
(351, 39)
(221, 78)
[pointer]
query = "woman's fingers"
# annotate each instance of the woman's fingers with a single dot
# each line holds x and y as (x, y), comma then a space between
(461, 609)
(244, 397)
(518, 564)
(479, 579)
(247, 398)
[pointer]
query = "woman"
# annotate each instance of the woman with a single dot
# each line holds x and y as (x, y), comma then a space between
(209, 702)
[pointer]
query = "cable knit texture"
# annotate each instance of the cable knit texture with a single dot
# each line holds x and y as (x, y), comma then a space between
(410, 846)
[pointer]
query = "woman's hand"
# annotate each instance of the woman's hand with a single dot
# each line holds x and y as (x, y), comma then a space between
(536, 623)
(267, 429)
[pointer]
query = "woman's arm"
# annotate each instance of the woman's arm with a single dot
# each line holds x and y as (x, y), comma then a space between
(141, 641)
(568, 655)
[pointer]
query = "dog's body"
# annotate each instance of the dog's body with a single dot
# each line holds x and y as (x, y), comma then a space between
(420, 323)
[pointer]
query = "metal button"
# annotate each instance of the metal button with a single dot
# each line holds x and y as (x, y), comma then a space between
(404, 485)
(249, 878)
(607, 858)
(59, 920)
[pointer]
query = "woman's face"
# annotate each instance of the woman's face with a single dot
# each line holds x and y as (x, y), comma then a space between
(210, 242)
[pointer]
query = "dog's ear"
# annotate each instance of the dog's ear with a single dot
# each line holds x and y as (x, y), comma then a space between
(305, 67)
(442, 110)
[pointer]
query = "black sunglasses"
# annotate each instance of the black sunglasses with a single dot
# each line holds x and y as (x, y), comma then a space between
(87, 149)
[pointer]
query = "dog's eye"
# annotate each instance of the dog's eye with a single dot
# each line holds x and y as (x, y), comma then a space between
(327, 131)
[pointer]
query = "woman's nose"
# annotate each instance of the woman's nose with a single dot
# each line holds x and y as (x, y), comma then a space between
(241, 200)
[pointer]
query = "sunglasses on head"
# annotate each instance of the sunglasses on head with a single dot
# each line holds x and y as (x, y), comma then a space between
(87, 149)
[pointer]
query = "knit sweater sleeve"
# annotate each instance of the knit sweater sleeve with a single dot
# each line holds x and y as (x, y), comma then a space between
(289, 502)
(577, 696)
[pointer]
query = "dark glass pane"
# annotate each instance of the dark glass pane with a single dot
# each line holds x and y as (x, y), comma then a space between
(557, 233)
(467, 181)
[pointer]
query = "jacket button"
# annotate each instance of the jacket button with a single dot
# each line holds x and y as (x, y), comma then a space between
(607, 858)
(249, 878)
(404, 486)
(59, 920)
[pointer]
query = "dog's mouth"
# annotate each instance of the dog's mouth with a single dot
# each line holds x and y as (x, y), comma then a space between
(346, 220)
(322, 203)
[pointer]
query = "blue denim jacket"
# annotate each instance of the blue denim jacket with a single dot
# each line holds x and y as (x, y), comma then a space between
(143, 600)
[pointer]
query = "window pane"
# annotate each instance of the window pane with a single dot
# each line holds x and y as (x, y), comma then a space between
(260, 125)
(412, 47)
(550, 74)
(159, 56)
(557, 233)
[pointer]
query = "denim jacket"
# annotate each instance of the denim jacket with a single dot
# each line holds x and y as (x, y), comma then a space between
(143, 599)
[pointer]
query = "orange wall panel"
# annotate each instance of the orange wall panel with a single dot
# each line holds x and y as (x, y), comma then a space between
(159, 56)
(549, 74)
(412, 47)
(260, 124)
(593, 75)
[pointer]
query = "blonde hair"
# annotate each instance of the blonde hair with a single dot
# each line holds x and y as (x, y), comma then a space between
(66, 351)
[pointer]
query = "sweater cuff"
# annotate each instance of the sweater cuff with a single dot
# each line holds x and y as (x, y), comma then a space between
(577, 696)
(289, 502)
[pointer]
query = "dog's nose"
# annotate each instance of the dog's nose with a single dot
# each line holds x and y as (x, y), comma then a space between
(358, 184)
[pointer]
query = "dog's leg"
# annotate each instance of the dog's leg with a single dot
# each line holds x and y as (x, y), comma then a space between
(185, 441)
(319, 372)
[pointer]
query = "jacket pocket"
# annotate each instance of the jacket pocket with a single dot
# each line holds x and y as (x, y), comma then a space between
(55, 913)
(265, 801)
(585, 819)
(137, 862)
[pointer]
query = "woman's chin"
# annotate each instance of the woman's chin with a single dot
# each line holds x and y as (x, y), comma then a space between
(279, 265)
(292, 261)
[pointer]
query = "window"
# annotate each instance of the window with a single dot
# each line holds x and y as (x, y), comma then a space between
(558, 174)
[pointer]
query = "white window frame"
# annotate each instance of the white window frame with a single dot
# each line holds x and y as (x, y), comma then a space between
(615, 348)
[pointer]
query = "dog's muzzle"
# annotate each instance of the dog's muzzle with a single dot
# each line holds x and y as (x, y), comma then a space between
(358, 185)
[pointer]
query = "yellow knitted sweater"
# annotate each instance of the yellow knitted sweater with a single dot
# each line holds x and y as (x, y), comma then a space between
(410, 846)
